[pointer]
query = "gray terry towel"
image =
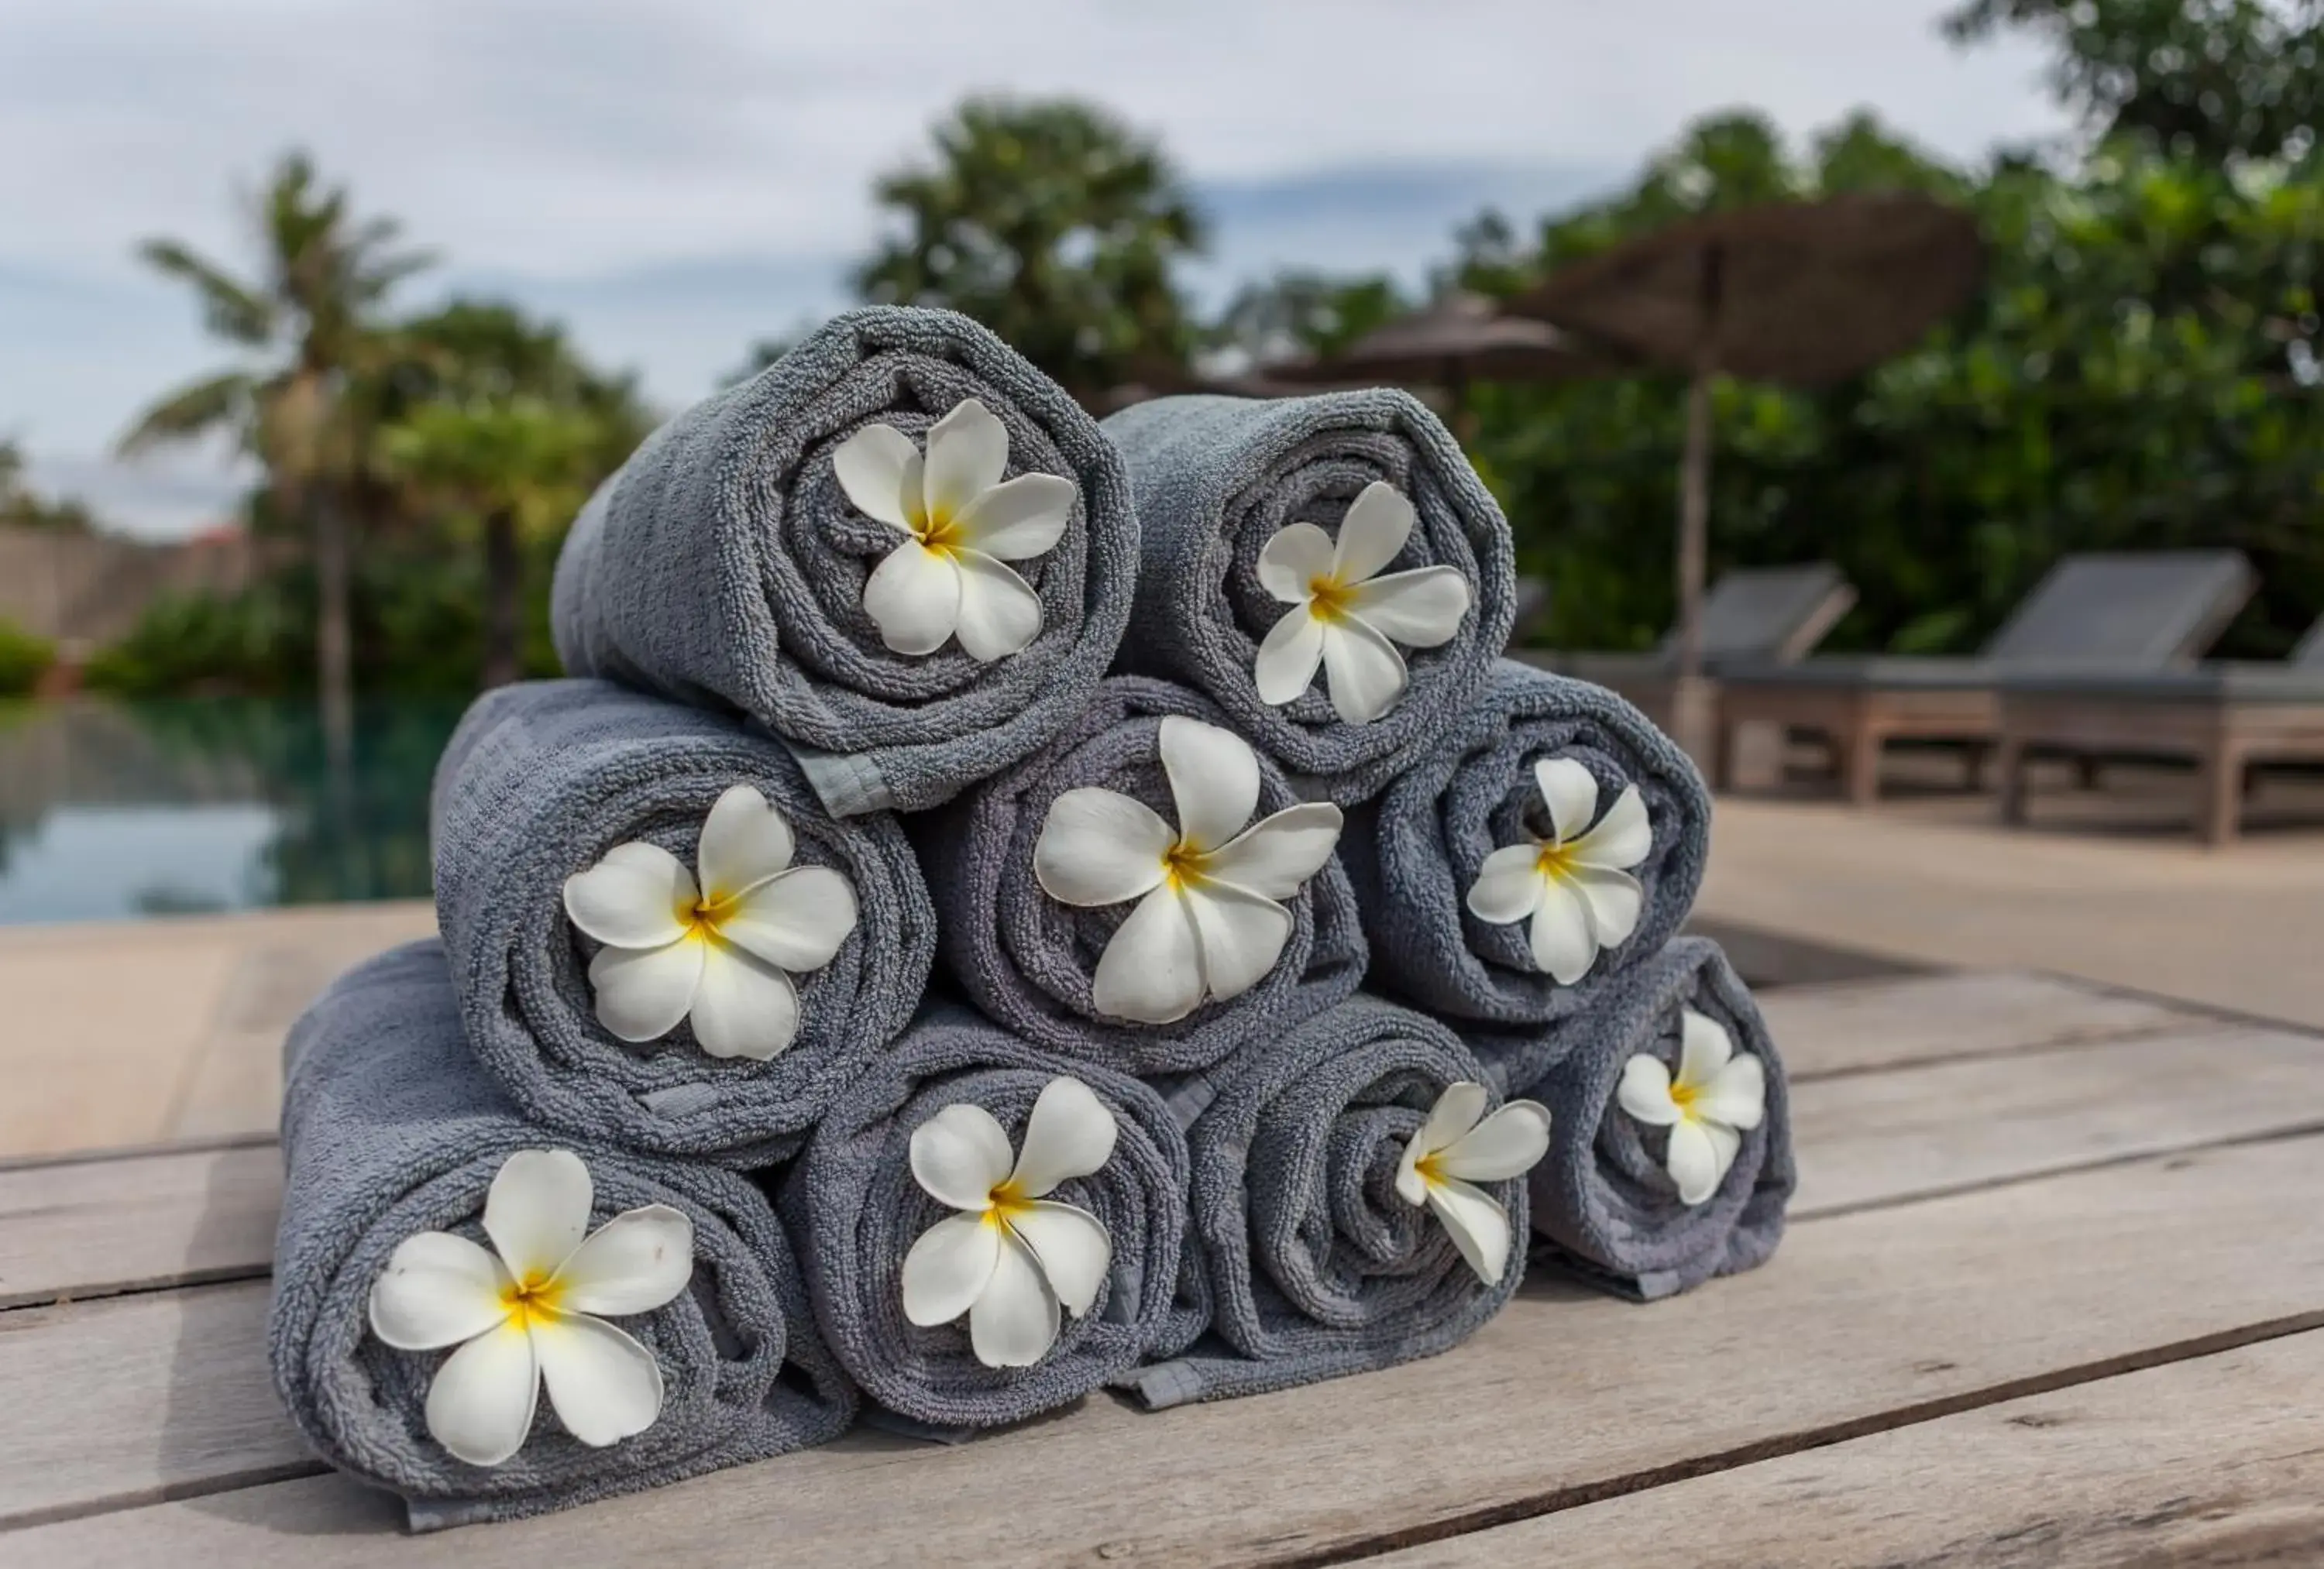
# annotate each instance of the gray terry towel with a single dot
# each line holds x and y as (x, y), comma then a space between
(724, 565)
(1602, 1203)
(538, 782)
(389, 1129)
(1313, 1265)
(1414, 851)
(1029, 960)
(855, 1210)
(1216, 477)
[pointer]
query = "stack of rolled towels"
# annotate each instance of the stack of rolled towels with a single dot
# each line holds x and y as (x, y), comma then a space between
(1003, 907)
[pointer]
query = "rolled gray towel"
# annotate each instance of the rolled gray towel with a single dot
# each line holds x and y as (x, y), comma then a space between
(539, 783)
(1216, 477)
(1416, 852)
(725, 565)
(1604, 1201)
(856, 1210)
(391, 1129)
(1029, 961)
(1314, 1266)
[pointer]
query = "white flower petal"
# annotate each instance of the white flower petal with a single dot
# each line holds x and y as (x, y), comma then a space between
(1564, 942)
(1724, 1144)
(1623, 837)
(744, 842)
(1100, 847)
(481, 1402)
(948, 1267)
(1151, 971)
(1000, 614)
(1276, 856)
(744, 1006)
(1455, 1113)
(871, 465)
(633, 1263)
(960, 1155)
(1015, 1319)
(1423, 608)
(913, 597)
(1693, 1161)
(1737, 1093)
(437, 1290)
(1214, 779)
(1479, 1227)
(1410, 1185)
(642, 995)
(1362, 669)
(1018, 518)
(1069, 1135)
(632, 897)
(537, 1210)
(1615, 900)
(796, 921)
(1570, 790)
(1508, 885)
(1507, 1144)
(1704, 1048)
(1242, 935)
(602, 1385)
(968, 452)
(1292, 559)
(1071, 1248)
(1379, 522)
(1645, 1091)
(1287, 660)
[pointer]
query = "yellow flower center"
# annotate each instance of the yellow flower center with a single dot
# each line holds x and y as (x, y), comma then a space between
(938, 530)
(1555, 860)
(532, 1299)
(1328, 598)
(1182, 864)
(1684, 1095)
(1427, 1168)
(704, 917)
(1005, 1204)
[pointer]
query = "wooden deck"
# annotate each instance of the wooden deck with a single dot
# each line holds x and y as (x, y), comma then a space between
(2053, 1294)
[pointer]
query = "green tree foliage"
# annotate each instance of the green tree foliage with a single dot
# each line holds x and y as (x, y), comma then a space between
(1056, 226)
(21, 507)
(1298, 313)
(24, 660)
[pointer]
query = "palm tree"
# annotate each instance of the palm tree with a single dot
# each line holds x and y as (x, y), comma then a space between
(308, 327)
(1056, 226)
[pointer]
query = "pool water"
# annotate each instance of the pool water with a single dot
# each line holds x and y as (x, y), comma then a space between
(114, 810)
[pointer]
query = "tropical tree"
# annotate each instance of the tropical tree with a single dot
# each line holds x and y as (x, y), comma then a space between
(20, 506)
(1299, 312)
(1053, 223)
(309, 325)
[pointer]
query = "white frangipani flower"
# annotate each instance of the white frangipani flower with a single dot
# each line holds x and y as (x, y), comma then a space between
(1717, 1098)
(960, 522)
(1012, 1254)
(1453, 1150)
(1576, 883)
(1207, 922)
(1347, 617)
(721, 952)
(527, 1317)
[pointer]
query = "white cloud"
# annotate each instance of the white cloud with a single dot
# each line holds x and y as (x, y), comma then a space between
(680, 178)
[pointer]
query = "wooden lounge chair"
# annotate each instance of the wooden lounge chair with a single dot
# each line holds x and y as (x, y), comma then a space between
(2111, 614)
(2226, 716)
(1770, 614)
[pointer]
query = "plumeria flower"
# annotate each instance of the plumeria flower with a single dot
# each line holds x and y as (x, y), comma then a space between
(527, 1317)
(960, 522)
(1454, 1149)
(1345, 617)
(1207, 921)
(1717, 1098)
(1012, 1254)
(720, 953)
(1576, 883)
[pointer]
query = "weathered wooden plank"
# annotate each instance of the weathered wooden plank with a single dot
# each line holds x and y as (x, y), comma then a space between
(2218, 1460)
(1850, 1026)
(1865, 1321)
(1871, 1138)
(91, 1228)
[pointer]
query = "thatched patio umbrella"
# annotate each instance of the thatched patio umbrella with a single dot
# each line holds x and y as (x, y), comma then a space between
(1799, 293)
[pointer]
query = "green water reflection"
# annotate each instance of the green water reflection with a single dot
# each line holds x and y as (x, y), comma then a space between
(111, 809)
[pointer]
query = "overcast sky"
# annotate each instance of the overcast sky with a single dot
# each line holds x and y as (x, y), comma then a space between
(675, 180)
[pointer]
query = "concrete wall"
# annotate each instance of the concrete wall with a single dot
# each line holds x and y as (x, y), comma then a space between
(83, 590)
